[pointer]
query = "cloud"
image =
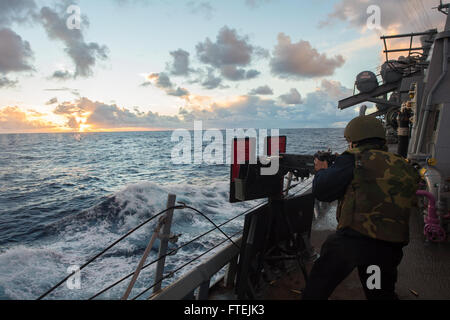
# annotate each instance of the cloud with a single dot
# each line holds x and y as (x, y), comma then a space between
(72, 91)
(252, 73)
(62, 75)
(13, 119)
(73, 123)
(255, 3)
(229, 49)
(106, 116)
(84, 55)
(396, 17)
(335, 89)
(231, 72)
(317, 109)
(127, 2)
(211, 81)
(301, 60)
(292, 97)
(161, 80)
(244, 109)
(229, 54)
(262, 90)
(352, 49)
(16, 11)
(400, 14)
(15, 53)
(6, 83)
(83, 105)
(178, 92)
(98, 116)
(180, 63)
(203, 7)
(52, 101)
(339, 124)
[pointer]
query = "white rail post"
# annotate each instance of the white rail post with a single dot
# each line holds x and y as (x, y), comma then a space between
(142, 261)
(164, 243)
(203, 290)
(230, 274)
(288, 184)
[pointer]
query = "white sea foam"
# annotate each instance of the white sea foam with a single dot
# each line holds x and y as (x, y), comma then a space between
(28, 271)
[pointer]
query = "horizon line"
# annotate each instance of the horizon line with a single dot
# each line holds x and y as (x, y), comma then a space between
(159, 130)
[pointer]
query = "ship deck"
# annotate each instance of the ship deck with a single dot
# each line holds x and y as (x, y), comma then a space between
(423, 273)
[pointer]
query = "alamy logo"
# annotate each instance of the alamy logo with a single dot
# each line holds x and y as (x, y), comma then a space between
(188, 150)
(74, 282)
(74, 20)
(374, 19)
(374, 280)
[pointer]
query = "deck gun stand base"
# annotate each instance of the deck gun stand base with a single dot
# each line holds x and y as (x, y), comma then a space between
(278, 231)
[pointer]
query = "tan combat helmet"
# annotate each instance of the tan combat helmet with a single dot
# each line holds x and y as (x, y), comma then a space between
(364, 127)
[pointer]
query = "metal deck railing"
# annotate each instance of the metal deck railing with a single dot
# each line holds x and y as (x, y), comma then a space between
(205, 271)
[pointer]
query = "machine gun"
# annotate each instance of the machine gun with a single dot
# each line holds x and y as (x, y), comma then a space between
(250, 181)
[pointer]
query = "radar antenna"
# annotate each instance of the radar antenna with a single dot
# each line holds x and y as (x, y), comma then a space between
(441, 7)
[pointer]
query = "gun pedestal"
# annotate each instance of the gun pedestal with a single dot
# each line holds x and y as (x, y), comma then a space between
(277, 232)
(274, 235)
(283, 241)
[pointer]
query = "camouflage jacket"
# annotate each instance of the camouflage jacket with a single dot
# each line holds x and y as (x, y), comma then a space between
(378, 201)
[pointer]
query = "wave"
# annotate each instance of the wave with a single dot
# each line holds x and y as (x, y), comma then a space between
(28, 271)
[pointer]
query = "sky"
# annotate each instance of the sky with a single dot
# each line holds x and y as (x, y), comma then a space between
(122, 65)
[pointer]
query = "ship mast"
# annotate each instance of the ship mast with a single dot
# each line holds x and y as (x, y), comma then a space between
(441, 8)
(430, 140)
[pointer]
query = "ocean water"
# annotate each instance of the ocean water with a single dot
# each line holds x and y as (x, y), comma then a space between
(65, 197)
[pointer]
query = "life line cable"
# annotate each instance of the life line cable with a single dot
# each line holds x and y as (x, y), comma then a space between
(184, 265)
(182, 206)
(106, 249)
(177, 248)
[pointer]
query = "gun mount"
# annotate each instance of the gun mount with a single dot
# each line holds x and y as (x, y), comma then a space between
(263, 176)
(279, 231)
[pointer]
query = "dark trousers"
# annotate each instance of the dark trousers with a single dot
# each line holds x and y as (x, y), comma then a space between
(346, 250)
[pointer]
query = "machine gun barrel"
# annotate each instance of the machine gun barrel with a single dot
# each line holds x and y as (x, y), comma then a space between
(250, 181)
(300, 165)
